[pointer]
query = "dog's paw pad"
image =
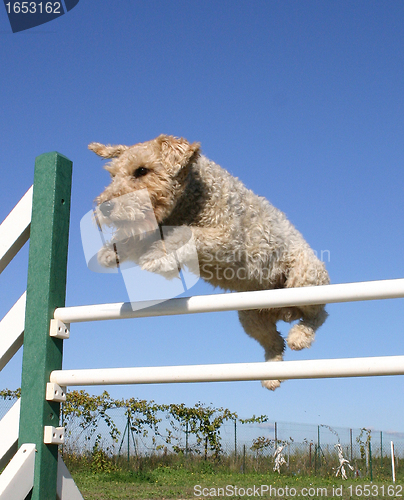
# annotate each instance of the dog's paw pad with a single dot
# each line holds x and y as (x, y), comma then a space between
(300, 337)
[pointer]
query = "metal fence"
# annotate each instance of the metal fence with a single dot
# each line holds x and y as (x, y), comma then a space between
(304, 448)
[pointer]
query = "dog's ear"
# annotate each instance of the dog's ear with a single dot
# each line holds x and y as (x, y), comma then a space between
(107, 151)
(177, 152)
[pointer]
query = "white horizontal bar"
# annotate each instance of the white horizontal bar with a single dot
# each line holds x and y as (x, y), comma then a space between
(322, 368)
(12, 331)
(14, 230)
(326, 294)
(17, 479)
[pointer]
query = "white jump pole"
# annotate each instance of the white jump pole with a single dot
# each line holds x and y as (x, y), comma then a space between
(323, 368)
(286, 297)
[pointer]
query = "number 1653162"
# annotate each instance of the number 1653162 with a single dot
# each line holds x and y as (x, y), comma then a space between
(34, 7)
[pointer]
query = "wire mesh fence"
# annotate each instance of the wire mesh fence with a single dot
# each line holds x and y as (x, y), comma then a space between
(5, 405)
(306, 449)
(288, 448)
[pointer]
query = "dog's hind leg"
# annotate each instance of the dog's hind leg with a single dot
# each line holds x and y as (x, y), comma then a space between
(307, 270)
(261, 325)
(302, 334)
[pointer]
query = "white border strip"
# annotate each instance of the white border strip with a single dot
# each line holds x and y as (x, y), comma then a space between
(12, 331)
(9, 427)
(17, 479)
(14, 230)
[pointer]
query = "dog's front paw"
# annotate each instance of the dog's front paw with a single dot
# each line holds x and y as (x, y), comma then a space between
(156, 252)
(165, 266)
(158, 261)
(271, 384)
(108, 257)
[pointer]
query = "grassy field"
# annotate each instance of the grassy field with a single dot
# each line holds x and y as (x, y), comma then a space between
(205, 480)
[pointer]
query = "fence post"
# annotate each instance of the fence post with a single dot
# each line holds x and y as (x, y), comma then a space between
(128, 424)
(351, 442)
(46, 290)
(186, 438)
(235, 439)
(381, 448)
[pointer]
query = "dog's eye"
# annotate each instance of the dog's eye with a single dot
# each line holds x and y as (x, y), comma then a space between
(140, 172)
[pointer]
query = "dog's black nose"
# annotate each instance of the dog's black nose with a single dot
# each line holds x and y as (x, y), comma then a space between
(106, 207)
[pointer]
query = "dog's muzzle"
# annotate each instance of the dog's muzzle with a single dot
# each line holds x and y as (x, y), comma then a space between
(106, 208)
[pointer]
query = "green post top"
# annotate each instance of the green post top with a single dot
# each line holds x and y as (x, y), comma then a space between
(46, 290)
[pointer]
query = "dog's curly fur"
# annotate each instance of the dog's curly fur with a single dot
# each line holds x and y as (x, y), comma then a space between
(242, 241)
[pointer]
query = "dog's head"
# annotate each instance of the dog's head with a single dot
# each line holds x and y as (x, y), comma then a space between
(159, 166)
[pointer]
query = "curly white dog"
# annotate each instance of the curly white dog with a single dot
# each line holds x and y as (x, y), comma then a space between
(243, 242)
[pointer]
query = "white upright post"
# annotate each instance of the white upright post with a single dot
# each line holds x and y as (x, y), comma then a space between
(393, 464)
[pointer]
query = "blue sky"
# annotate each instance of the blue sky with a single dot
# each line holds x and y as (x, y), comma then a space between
(303, 101)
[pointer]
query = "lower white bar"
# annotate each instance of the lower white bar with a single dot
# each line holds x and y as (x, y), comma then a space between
(321, 368)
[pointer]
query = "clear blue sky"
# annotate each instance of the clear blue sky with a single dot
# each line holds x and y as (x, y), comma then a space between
(303, 101)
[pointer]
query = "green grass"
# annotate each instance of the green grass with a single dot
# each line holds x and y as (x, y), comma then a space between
(203, 480)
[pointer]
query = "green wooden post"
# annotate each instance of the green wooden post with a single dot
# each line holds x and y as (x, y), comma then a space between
(46, 290)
